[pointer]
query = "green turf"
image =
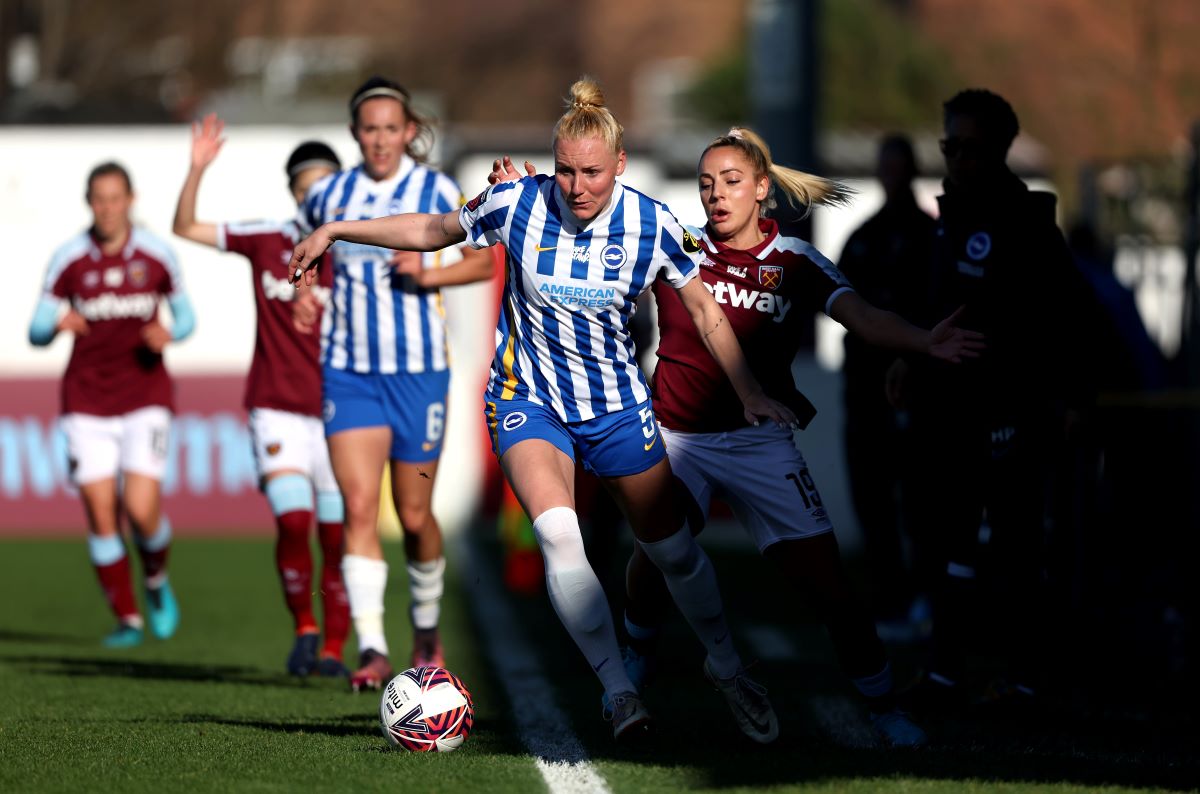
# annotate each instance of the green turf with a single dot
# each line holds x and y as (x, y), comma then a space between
(211, 710)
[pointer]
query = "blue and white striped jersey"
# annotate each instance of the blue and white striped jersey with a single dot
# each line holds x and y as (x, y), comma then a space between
(379, 321)
(563, 336)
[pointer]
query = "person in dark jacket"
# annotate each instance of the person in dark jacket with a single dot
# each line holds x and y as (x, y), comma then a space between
(987, 431)
(883, 259)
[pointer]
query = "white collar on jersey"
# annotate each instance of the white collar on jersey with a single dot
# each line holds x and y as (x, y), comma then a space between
(772, 243)
(568, 217)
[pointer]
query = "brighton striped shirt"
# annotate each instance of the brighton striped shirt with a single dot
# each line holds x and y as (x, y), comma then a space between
(563, 335)
(379, 321)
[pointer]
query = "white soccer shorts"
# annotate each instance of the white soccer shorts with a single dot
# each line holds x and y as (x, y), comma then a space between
(99, 447)
(285, 441)
(758, 472)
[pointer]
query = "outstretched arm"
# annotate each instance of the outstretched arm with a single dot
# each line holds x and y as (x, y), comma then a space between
(722, 343)
(206, 144)
(946, 341)
(413, 231)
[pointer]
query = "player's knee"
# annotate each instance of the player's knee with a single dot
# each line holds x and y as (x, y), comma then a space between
(144, 518)
(689, 575)
(361, 506)
(416, 519)
(558, 536)
(675, 555)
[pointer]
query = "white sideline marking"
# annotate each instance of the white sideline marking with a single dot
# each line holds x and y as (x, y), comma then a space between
(772, 644)
(544, 728)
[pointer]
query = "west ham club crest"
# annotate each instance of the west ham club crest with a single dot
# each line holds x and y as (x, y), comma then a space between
(770, 276)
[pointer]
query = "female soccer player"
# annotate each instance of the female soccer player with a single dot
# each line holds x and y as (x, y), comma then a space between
(765, 283)
(385, 369)
(581, 247)
(104, 286)
(283, 398)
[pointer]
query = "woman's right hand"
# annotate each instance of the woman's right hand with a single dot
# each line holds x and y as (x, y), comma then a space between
(74, 322)
(306, 256)
(759, 406)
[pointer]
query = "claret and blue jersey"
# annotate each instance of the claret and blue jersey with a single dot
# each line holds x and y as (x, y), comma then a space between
(563, 339)
(381, 322)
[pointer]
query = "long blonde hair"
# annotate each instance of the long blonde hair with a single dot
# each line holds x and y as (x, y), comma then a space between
(587, 116)
(801, 189)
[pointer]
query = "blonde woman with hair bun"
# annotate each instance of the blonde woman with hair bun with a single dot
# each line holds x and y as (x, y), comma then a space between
(564, 383)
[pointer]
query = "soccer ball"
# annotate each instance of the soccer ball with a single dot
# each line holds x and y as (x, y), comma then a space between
(426, 709)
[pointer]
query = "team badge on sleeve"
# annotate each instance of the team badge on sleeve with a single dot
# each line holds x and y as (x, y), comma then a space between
(690, 243)
(770, 276)
(474, 203)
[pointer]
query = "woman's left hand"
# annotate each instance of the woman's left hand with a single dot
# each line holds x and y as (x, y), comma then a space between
(503, 170)
(406, 263)
(155, 336)
(950, 343)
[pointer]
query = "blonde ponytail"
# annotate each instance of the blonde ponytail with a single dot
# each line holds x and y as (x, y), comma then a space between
(801, 189)
(587, 116)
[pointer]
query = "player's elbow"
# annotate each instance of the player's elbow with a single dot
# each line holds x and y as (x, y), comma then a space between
(188, 231)
(44, 325)
(39, 337)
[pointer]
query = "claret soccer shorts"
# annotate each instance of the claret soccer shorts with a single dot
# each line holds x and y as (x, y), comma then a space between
(100, 447)
(759, 473)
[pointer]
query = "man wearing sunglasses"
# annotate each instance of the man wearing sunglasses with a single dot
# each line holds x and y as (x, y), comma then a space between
(986, 432)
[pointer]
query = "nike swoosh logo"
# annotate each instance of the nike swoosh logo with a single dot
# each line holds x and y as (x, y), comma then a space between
(651, 444)
(598, 666)
(546, 248)
(761, 727)
(721, 639)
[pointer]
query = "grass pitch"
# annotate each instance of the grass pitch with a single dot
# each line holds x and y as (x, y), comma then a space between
(212, 709)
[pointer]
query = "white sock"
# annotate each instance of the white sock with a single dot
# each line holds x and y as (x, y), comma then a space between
(578, 597)
(693, 584)
(366, 580)
(425, 585)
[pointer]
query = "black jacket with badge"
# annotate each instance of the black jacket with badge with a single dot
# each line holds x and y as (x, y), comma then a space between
(1000, 253)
